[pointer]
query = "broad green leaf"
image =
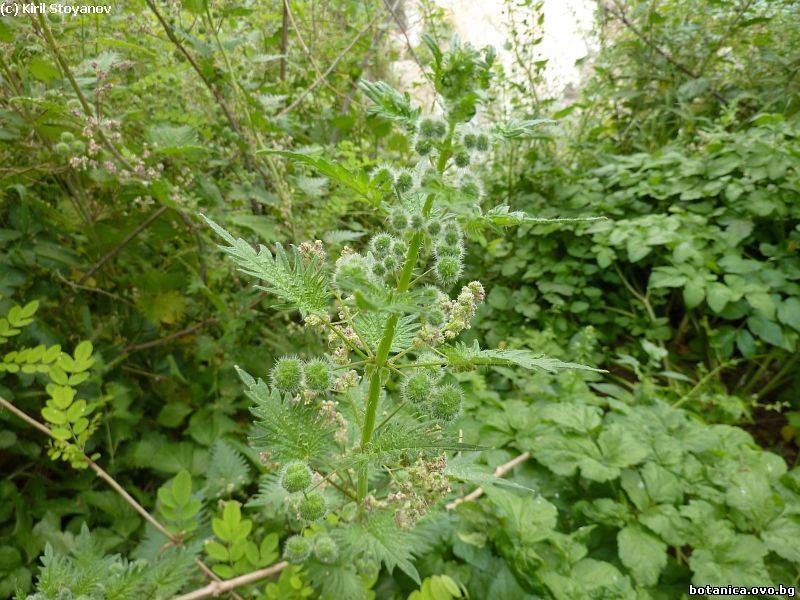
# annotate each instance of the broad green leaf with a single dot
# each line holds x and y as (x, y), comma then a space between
(789, 313)
(359, 183)
(783, 537)
(216, 550)
(182, 487)
(643, 553)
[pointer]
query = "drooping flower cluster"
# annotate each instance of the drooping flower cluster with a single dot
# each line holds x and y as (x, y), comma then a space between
(421, 486)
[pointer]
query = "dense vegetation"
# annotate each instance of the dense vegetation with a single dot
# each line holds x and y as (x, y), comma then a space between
(264, 315)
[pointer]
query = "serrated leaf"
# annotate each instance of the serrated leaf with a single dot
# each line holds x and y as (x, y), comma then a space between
(643, 553)
(463, 357)
(303, 286)
(359, 183)
(389, 103)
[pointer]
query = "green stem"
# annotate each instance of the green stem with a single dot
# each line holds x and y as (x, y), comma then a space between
(385, 346)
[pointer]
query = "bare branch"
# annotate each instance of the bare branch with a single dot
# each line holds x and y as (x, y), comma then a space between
(220, 587)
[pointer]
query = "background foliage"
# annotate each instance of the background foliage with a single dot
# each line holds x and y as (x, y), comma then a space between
(677, 466)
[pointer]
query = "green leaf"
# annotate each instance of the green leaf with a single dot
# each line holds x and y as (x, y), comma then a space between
(302, 286)
(769, 331)
(389, 103)
(643, 553)
(693, 293)
(789, 313)
(182, 487)
(360, 184)
(462, 357)
(217, 551)
(718, 295)
(620, 447)
(527, 518)
(577, 417)
(783, 537)
(54, 416)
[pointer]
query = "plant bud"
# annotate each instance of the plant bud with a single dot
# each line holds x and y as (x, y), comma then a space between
(287, 375)
(446, 402)
(399, 249)
(447, 270)
(482, 142)
(319, 376)
(312, 506)
(381, 243)
(451, 233)
(416, 222)
(62, 148)
(391, 263)
(434, 227)
(461, 159)
(325, 549)
(432, 128)
(423, 147)
(67, 136)
(417, 388)
(444, 249)
(350, 270)
(296, 477)
(378, 269)
(469, 140)
(398, 219)
(296, 549)
(404, 181)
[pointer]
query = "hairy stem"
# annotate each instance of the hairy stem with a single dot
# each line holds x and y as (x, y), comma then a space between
(382, 354)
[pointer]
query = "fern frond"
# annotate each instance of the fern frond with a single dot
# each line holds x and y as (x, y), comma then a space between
(302, 286)
(285, 429)
(464, 358)
(227, 471)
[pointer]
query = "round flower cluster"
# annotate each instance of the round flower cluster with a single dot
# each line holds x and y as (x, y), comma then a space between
(437, 402)
(292, 376)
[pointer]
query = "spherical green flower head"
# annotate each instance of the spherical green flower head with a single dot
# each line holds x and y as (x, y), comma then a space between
(67, 136)
(383, 174)
(399, 249)
(381, 243)
(319, 376)
(461, 159)
(417, 388)
(434, 227)
(378, 269)
(391, 263)
(296, 477)
(404, 181)
(447, 270)
(432, 128)
(398, 219)
(287, 375)
(350, 272)
(482, 142)
(296, 549)
(325, 549)
(442, 248)
(312, 506)
(470, 140)
(451, 233)
(446, 402)
(62, 148)
(416, 222)
(423, 147)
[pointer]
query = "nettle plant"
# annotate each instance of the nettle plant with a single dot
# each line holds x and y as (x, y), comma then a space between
(361, 433)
